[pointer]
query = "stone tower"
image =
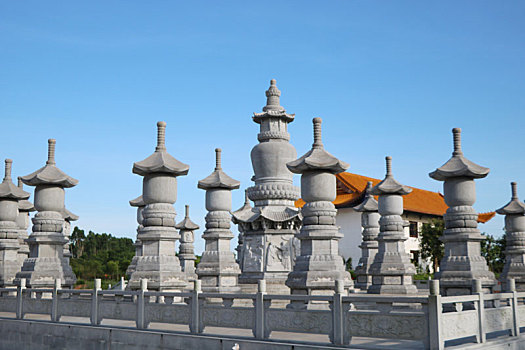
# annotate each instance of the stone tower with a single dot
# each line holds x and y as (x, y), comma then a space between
(514, 212)
(217, 269)
(158, 262)
(186, 248)
(462, 262)
(369, 245)
(319, 265)
(46, 261)
(391, 271)
(22, 220)
(139, 204)
(269, 228)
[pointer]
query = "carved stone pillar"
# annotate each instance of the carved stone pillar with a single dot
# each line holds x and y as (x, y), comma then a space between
(46, 263)
(514, 212)
(10, 196)
(369, 245)
(217, 269)
(139, 204)
(391, 271)
(319, 265)
(462, 262)
(22, 220)
(158, 262)
(186, 249)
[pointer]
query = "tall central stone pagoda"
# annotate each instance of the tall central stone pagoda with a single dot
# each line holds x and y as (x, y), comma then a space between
(269, 248)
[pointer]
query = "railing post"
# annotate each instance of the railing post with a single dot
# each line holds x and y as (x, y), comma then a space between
(477, 290)
(511, 288)
(435, 309)
(141, 324)
(54, 304)
(94, 302)
(20, 299)
(122, 283)
(259, 310)
(337, 313)
(195, 326)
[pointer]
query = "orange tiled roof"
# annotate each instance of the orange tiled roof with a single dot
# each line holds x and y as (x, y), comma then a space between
(350, 189)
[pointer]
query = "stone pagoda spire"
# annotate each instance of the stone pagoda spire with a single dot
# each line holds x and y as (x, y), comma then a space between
(319, 265)
(244, 211)
(22, 220)
(217, 268)
(158, 262)
(268, 231)
(68, 217)
(186, 249)
(369, 245)
(391, 271)
(139, 204)
(46, 244)
(10, 197)
(462, 262)
(514, 212)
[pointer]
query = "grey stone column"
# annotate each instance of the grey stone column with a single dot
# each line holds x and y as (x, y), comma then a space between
(217, 269)
(10, 197)
(22, 220)
(139, 204)
(158, 262)
(46, 263)
(268, 230)
(462, 262)
(369, 245)
(391, 270)
(68, 217)
(186, 249)
(319, 265)
(514, 212)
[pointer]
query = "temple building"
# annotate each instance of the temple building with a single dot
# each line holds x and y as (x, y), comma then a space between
(420, 206)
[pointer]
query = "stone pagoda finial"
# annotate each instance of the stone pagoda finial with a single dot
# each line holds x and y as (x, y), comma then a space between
(217, 269)
(22, 220)
(319, 266)
(10, 197)
(514, 212)
(391, 271)
(186, 249)
(46, 262)
(462, 262)
(369, 245)
(272, 98)
(158, 236)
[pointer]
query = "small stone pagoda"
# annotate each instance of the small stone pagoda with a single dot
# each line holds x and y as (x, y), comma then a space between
(46, 263)
(186, 249)
(68, 217)
(139, 204)
(319, 265)
(369, 245)
(514, 212)
(217, 269)
(158, 262)
(391, 271)
(245, 210)
(268, 229)
(462, 262)
(22, 220)
(10, 197)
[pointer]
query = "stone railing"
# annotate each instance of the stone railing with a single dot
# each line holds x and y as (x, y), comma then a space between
(432, 320)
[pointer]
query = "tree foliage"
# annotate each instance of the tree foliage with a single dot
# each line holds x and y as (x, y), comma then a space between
(99, 255)
(431, 246)
(493, 250)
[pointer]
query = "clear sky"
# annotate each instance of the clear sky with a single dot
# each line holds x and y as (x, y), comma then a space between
(387, 77)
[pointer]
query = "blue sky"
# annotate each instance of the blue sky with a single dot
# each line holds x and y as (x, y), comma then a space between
(388, 78)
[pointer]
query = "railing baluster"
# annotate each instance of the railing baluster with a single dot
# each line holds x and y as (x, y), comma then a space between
(337, 313)
(54, 304)
(195, 322)
(259, 310)
(477, 289)
(141, 324)
(20, 299)
(94, 302)
(435, 309)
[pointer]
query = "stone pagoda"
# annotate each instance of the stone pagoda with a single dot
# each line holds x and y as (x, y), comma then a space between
(268, 229)
(10, 197)
(186, 249)
(139, 204)
(68, 217)
(462, 262)
(217, 269)
(319, 265)
(46, 263)
(244, 211)
(391, 271)
(514, 212)
(369, 245)
(158, 262)
(22, 220)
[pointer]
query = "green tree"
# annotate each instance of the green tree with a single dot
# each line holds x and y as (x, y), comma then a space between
(430, 244)
(493, 250)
